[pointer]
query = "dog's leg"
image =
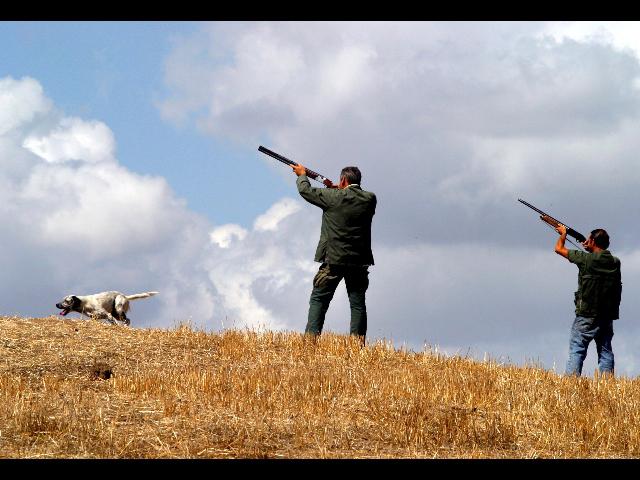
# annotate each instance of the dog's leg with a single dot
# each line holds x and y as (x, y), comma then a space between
(120, 307)
(122, 318)
(110, 317)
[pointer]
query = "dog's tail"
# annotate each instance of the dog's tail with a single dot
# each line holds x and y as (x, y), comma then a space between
(136, 296)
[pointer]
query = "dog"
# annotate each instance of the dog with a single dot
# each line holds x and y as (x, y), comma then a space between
(111, 306)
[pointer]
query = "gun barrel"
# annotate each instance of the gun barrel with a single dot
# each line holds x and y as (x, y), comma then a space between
(534, 208)
(285, 160)
(275, 155)
(538, 210)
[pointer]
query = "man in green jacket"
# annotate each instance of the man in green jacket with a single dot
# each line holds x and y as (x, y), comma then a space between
(597, 299)
(344, 249)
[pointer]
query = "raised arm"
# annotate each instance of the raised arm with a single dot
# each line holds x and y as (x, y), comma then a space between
(560, 248)
(321, 197)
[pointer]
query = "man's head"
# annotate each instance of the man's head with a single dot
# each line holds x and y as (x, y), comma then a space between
(598, 240)
(349, 176)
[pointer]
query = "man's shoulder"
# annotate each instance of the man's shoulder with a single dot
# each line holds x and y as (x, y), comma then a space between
(366, 197)
(369, 194)
(608, 258)
(594, 260)
(607, 253)
(576, 256)
(360, 191)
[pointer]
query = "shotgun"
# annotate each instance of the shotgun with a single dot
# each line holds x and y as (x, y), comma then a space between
(545, 217)
(310, 173)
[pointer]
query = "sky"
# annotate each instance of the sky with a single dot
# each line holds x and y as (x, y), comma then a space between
(129, 162)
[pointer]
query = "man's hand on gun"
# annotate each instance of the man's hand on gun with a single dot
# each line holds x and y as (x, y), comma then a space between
(300, 169)
(561, 229)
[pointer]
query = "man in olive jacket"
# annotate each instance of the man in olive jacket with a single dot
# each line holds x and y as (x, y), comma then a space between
(344, 249)
(597, 299)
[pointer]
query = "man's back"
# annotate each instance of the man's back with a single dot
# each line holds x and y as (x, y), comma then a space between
(345, 234)
(599, 284)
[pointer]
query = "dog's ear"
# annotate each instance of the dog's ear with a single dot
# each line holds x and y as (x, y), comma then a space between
(75, 300)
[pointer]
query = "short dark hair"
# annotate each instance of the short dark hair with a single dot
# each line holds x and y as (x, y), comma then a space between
(600, 238)
(352, 174)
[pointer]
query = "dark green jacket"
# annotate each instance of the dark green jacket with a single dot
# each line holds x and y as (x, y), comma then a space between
(345, 234)
(599, 284)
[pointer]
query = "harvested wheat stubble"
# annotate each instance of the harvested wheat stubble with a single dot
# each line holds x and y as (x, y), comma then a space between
(83, 389)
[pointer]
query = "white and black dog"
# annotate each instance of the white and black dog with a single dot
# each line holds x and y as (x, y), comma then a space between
(111, 306)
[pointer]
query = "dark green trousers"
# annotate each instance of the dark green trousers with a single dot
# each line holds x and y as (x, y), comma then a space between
(325, 283)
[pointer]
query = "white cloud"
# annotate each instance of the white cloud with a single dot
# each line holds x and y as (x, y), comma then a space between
(74, 139)
(224, 234)
(102, 210)
(20, 102)
(623, 35)
(345, 75)
(276, 213)
(263, 275)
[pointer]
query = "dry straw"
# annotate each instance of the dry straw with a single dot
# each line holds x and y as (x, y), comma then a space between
(83, 389)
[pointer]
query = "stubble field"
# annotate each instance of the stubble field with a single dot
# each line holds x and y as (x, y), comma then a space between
(82, 389)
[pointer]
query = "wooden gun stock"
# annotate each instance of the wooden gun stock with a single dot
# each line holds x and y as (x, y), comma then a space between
(570, 231)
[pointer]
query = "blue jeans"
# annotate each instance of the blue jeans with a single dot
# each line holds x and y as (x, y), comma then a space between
(582, 332)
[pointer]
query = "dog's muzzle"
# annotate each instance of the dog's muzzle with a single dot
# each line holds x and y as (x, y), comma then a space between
(65, 310)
